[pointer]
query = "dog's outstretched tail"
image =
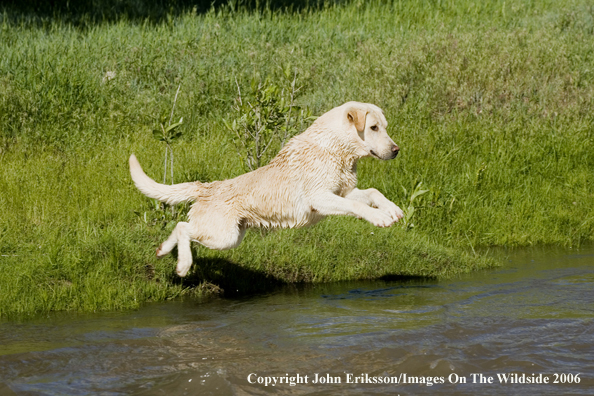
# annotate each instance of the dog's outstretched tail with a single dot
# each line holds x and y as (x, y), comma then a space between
(174, 194)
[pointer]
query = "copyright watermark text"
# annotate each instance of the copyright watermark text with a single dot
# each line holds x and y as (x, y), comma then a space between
(405, 379)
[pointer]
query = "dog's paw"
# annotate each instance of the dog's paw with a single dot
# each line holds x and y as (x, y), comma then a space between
(380, 218)
(159, 253)
(393, 211)
(183, 266)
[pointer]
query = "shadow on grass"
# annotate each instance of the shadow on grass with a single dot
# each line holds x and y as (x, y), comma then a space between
(85, 13)
(217, 276)
(224, 277)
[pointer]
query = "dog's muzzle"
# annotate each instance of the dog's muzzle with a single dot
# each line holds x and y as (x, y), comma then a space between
(387, 156)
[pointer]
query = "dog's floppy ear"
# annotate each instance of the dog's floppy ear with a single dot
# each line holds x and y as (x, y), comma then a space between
(357, 116)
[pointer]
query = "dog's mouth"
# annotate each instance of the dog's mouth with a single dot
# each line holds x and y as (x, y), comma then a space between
(374, 154)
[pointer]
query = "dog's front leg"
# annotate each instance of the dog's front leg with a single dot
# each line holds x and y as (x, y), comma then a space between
(373, 197)
(332, 204)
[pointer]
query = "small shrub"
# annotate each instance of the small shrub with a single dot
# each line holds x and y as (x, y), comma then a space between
(266, 117)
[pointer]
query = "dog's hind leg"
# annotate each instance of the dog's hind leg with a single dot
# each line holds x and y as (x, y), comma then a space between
(218, 233)
(180, 237)
(214, 231)
(166, 247)
(184, 253)
(227, 235)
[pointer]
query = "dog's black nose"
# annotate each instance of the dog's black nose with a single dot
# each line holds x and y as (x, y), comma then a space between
(395, 150)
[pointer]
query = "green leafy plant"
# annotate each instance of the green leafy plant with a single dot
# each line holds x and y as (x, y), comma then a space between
(266, 118)
(167, 133)
(409, 211)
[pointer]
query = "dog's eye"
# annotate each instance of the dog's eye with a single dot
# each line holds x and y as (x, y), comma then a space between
(374, 128)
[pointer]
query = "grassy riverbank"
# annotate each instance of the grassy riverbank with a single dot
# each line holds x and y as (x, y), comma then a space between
(490, 103)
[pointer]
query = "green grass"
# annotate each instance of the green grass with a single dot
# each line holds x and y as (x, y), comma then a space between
(490, 103)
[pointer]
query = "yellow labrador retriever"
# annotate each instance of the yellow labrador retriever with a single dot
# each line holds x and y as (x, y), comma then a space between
(313, 176)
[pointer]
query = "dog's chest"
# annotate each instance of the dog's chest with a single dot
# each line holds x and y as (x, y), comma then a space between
(346, 178)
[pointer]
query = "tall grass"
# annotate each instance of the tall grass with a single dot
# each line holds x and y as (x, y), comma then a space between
(490, 103)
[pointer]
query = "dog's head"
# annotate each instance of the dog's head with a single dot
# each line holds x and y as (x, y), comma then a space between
(369, 124)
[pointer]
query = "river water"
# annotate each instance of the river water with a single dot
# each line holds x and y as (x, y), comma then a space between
(533, 317)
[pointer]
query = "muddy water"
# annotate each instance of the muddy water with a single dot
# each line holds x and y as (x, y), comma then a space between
(534, 317)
